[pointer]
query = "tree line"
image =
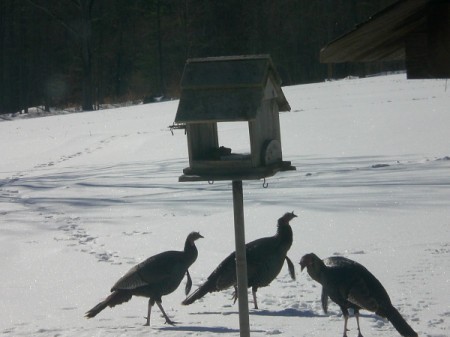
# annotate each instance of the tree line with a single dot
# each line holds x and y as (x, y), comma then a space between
(84, 53)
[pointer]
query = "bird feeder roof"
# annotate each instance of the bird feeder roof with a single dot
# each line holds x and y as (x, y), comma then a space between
(232, 88)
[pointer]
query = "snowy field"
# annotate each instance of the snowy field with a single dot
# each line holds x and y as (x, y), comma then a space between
(85, 196)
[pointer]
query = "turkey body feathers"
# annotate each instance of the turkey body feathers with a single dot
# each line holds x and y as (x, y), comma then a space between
(164, 271)
(265, 258)
(155, 277)
(350, 285)
(348, 280)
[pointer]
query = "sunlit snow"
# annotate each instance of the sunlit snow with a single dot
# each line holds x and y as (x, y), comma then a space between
(85, 196)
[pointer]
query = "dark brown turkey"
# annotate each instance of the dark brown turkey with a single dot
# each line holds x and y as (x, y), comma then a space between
(265, 258)
(351, 286)
(155, 277)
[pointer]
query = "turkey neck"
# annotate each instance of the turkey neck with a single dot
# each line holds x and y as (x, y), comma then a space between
(284, 233)
(317, 271)
(190, 251)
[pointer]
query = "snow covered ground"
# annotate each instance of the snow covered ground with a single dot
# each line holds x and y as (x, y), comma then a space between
(85, 196)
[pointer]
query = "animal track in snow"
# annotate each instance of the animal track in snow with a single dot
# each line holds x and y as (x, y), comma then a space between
(439, 258)
(444, 249)
(78, 237)
(135, 233)
(87, 150)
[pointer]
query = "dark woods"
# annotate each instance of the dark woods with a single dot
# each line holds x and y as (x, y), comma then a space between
(83, 53)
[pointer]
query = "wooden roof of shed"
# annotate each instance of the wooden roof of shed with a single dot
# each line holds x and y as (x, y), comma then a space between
(381, 37)
(229, 88)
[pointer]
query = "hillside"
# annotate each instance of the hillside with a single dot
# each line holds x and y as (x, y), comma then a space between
(85, 196)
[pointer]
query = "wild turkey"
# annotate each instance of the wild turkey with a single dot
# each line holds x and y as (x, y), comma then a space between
(265, 258)
(158, 275)
(350, 285)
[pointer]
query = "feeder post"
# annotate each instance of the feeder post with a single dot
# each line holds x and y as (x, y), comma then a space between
(241, 259)
(232, 89)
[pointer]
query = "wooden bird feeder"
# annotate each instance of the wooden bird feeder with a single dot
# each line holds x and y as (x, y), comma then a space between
(233, 89)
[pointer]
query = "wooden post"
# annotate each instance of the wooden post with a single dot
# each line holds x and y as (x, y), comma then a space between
(241, 259)
(330, 71)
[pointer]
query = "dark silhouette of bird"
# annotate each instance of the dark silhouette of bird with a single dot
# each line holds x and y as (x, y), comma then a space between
(155, 277)
(265, 258)
(351, 286)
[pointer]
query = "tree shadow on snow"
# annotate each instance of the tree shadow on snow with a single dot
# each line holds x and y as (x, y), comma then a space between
(211, 329)
(289, 312)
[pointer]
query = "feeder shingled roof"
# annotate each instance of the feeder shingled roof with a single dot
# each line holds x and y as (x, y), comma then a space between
(220, 89)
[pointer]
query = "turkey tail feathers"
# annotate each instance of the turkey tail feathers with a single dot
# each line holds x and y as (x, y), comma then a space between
(197, 294)
(117, 297)
(399, 323)
(95, 310)
(290, 268)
